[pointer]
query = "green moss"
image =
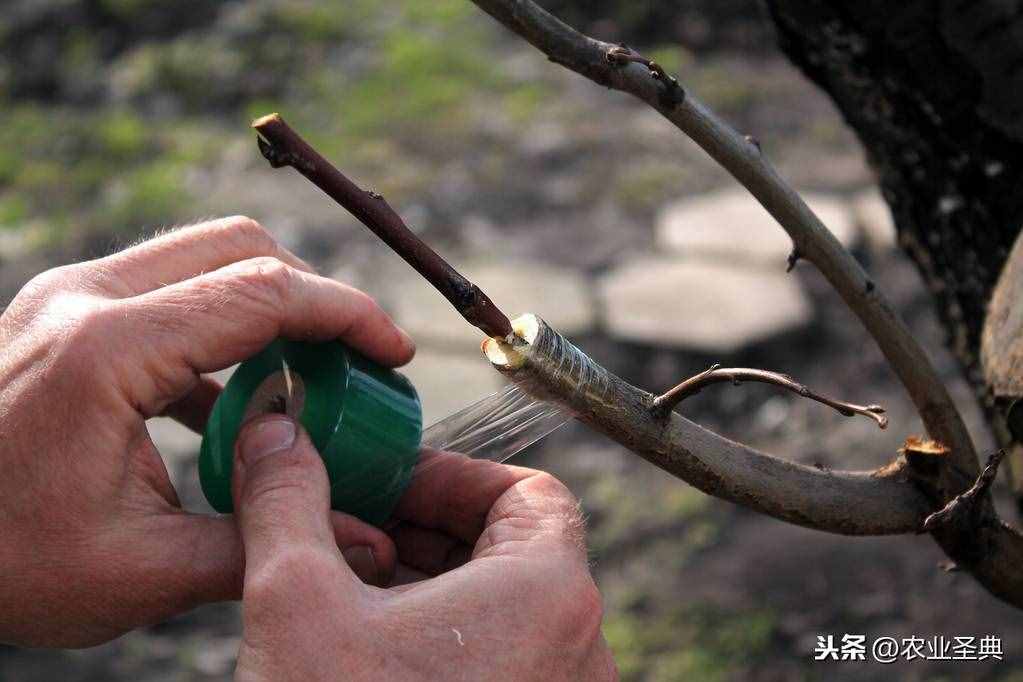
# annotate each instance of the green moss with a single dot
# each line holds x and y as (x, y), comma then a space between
(319, 21)
(153, 194)
(692, 642)
(125, 9)
(13, 210)
(438, 12)
(369, 82)
(722, 87)
(646, 186)
(522, 102)
(690, 664)
(671, 57)
(621, 514)
(623, 633)
(121, 134)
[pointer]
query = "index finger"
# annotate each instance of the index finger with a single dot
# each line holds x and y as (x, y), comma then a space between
(213, 321)
(188, 251)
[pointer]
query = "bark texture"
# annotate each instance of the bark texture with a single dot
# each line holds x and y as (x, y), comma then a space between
(977, 541)
(934, 89)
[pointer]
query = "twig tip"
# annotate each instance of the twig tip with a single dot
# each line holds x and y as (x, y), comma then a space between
(265, 120)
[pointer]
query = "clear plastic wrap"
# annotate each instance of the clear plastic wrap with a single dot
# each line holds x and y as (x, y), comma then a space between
(496, 427)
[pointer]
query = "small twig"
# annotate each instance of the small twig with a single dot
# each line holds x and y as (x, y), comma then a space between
(967, 501)
(282, 146)
(664, 403)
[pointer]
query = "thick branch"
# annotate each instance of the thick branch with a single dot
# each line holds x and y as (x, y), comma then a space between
(603, 63)
(891, 500)
(991, 551)
(667, 401)
(282, 146)
(546, 365)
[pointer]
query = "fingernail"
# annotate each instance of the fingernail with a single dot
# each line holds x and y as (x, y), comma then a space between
(265, 438)
(407, 339)
(360, 560)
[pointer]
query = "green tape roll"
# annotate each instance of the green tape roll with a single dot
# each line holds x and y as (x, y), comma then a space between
(365, 421)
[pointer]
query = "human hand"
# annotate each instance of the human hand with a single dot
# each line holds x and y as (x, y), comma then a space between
(523, 607)
(93, 541)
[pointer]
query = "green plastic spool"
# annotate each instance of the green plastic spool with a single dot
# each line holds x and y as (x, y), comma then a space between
(365, 421)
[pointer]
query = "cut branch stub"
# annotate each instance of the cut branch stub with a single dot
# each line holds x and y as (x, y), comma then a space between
(966, 504)
(282, 146)
(666, 402)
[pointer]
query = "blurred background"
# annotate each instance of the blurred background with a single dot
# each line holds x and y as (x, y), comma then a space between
(122, 117)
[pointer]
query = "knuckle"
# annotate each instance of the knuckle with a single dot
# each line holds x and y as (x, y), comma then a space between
(78, 319)
(76, 331)
(47, 283)
(362, 305)
(290, 572)
(548, 484)
(265, 277)
(283, 478)
(558, 497)
(93, 321)
(249, 232)
(280, 488)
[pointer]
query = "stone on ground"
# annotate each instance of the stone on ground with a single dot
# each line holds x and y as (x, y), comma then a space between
(875, 219)
(730, 225)
(449, 382)
(716, 308)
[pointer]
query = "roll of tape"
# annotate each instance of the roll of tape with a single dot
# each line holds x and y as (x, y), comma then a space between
(365, 421)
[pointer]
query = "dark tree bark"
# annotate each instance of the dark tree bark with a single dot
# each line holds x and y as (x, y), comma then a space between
(934, 89)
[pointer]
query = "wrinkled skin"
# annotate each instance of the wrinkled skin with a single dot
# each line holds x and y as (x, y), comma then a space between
(523, 607)
(93, 541)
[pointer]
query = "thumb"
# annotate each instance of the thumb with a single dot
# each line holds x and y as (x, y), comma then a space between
(282, 503)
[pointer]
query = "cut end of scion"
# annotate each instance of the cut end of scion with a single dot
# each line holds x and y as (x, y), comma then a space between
(508, 353)
(268, 119)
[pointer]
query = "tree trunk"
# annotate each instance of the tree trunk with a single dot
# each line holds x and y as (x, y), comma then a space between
(934, 89)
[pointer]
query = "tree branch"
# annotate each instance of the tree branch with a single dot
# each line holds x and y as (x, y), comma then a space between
(991, 550)
(895, 499)
(282, 146)
(545, 364)
(967, 502)
(604, 64)
(666, 402)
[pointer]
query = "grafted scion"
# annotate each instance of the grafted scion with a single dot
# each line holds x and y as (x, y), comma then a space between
(282, 146)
